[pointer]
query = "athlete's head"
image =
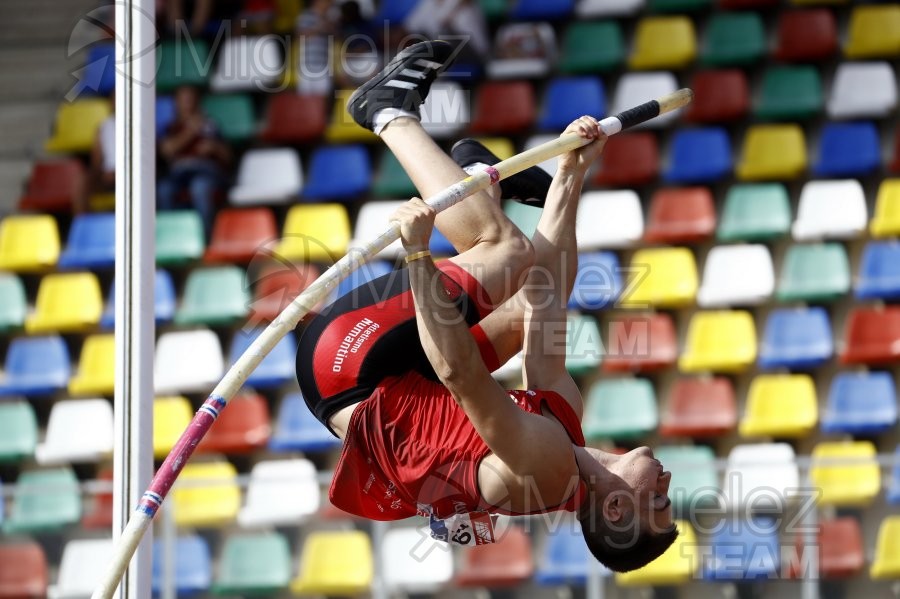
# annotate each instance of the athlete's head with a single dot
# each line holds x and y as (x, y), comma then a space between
(627, 518)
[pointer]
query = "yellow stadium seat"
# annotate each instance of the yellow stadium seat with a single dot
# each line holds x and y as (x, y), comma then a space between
(102, 202)
(77, 124)
(676, 566)
(886, 564)
(171, 415)
(502, 147)
(886, 222)
(667, 42)
(773, 152)
(850, 484)
(661, 277)
(335, 563)
(342, 128)
(780, 405)
(206, 495)
(315, 233)
(874, 32)
(28, 242)
(96, 367)
(720, 341)
(68, 302)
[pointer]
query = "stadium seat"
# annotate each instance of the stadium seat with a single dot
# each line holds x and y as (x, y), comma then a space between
(609, 219)
(524, 217)
(522, 51)
(640, 343)
(853, 483)
(79, 430)
(736, 275)
(566, 559)
(247, 63)
(680, 215)
(98, 511)
(187, 361)
(418, 565)
(806, 35)
(789, 93)
(182, 62)
(873, 32)
(267, 176)
(796, 338)
(860, 403)
(83, 564)
(504, 108)
(660, 277)
(96, 367)
(893, 490)
(694, 478)
(871, 336)
(23, 570)
(720, 96)
(206, 495)
(192, 564)
(699, 407)
(36, 509)
(18, 431)
(165, 114)
(878, 276)
(338, 173)
(296, 429)
(762, 475)
(91, 243)
(276, 286)
(28, 242)
(294, 119)
(446, 110)
(701, 155)
(591, 47)
(277, 368)
(630, 158)
(242, 428)
(53, 185)
(772, 152)
(886, 563)
(362, 275)
(239, 234)
(839, 545)
(69, 302)
(734, 39)
(677, 565)
(280, 493)
(834, 209)
(76, 125)
(233, 114)
(35, 366)
(335, 563)
(663, 42)
(568, 98)
(719, 341)
(746, 549)
(315, 233)
(755, 212)
(179, 237)
(371, 221)
(393, 10)
(342, 129)
(213, 296)
(814, 273)
(584, 345)
(507, 563)
(163, 301)
(863, 90)
(587, 9)
(391, 181)
(886, 222)
(637, 88)
(13, 303)
(171, 416)
(848, 150)
(598, 281)
(253, 563)
(780, 406)
(620, 408)
(541, 10)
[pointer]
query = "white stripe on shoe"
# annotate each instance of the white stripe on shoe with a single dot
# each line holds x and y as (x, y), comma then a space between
(430, 64)
(403, 84)
(413, 73)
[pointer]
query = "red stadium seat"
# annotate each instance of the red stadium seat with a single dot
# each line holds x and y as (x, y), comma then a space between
(806, 35)
(23, 570)
(240, 233)
(699, 407)
(242, 427)
(277, 286)
(895, 164)
(99, 513)
(871, 336)
(506, 563)
(680, 215)
(640, 343)
(53, 185)
(295, 118)
(720, 96)
(504, 107)
(628, 159)
(840, 546)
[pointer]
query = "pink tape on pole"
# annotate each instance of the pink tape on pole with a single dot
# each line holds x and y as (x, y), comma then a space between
(494, 174)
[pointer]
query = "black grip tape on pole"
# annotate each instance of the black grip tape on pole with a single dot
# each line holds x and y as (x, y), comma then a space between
(638, 114)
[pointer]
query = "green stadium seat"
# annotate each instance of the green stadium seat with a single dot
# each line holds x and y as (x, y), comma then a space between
(493, 9)
(182, 62)
(391, 181)
(18, 431)
(810, 273)
(44, 500)
(523, 216)
(253, 564)
(694, 478)
(623, 408)
(233, 113)
(214, 296)
(591, 47)
(13, 303)
(755, 212)
(584, 345)
(179, 237)
(790, 93)
(734, 38)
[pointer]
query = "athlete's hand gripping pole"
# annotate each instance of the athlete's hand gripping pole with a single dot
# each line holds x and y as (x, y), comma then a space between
(315, 293)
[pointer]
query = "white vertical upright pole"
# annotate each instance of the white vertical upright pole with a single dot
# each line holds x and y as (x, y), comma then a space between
(135, 219)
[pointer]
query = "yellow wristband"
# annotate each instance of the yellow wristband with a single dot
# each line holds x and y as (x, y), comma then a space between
(417, 255)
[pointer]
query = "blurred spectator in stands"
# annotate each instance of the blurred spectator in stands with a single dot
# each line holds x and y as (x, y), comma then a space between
(200, 14)
(438, 18)
(196, 157)
(360, 56)
(258, 15)
(315, 36)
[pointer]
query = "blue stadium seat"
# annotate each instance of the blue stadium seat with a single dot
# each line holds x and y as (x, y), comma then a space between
(568, 98)
(541, 10)
(699, 155)
(338, 172)
(848, 150)
(440, 245)
(296, 429)
(276, 368)
(598, 281)
(193, 566)
(165, 114)
(860, 403)
(394, 11)
(743, 550)
(566, 559)
(91, 243)
(796, 338)
(100, 69)
(879, 271)
(363, 274)
(893, 490)
(164, 301)
(36, 366)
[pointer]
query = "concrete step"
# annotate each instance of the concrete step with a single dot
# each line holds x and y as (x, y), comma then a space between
(36, 73)
(13, 176)
(24, 127)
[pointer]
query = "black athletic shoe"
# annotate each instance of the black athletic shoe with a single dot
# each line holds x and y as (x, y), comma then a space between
(528, 187)
(403, 83)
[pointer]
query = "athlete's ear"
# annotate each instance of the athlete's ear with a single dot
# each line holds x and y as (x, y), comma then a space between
(614, 507)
